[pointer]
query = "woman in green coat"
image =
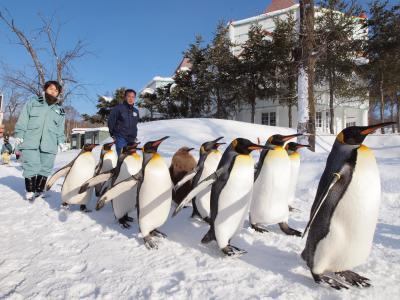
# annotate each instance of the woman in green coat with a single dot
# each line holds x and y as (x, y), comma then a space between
(38, 132)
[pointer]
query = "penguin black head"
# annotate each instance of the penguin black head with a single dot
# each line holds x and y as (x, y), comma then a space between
(130, 148)
(89, 147)
(107, 146)
(355, 135)
(244, 146)
(295, 146)
(280, 140)
(152, 146)
(207, 147)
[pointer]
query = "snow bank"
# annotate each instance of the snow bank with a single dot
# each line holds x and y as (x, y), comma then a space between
(47, 254)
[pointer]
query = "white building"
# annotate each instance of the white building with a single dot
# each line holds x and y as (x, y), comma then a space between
(273, 113)
(151, 87)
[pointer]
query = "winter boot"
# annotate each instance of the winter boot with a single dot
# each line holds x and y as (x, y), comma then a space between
(30, 185)
(40, 185)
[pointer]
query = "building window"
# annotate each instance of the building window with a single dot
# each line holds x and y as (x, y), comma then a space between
(268, 118)
(350, 124)
(318, 119)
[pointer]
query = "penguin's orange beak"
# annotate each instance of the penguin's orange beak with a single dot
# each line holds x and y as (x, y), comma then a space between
(158, 142)
(372, 128)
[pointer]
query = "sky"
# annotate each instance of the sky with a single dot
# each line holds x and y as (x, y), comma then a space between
(129, 42)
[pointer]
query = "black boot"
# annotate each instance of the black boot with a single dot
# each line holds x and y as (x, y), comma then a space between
(40, 185)
(30, 185)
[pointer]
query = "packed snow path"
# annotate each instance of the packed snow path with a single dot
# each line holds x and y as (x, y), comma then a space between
(48, 253)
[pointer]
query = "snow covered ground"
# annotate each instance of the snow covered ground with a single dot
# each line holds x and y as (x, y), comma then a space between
(46, 253)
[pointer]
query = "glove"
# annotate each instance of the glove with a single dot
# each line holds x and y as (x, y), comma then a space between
(63, 147)
(18, 141)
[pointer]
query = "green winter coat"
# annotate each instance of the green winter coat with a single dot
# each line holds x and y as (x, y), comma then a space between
(41, 126)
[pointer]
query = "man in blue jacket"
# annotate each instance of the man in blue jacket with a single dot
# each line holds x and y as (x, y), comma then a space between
(122, 122)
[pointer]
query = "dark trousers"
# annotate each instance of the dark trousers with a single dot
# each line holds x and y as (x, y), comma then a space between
(120, 142)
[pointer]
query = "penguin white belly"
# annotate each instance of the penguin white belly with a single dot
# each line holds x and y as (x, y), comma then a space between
(82, 170)
(155, 196)
(109, 162)
(125, 202)
(352, 226)
(234, 199)
(270, 194)
(203, 198)
(294, 175)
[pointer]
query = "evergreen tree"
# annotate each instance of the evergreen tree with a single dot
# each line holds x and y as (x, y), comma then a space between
(339, 40)
(383, 52)
(256, 68)
(284, 48)
(104, 107)
(223, 70)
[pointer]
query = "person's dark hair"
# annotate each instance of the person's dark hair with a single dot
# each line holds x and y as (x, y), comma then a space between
(55, 83)
(129, 91)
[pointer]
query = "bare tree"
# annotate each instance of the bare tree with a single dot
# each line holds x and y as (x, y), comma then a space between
(60, 63)
(12, 108)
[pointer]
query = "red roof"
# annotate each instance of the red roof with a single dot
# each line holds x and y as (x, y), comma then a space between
(279, 4)
(185, 63)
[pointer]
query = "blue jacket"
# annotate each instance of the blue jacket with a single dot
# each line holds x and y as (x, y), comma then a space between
(123, 121)
(41, 126)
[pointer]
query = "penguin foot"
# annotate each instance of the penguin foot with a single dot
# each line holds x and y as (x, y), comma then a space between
(210, 236)
(288, 230)
(150, 243)
(158, 233)
(354, 279)
(124, 223)
(233, 251)
(84, 209)
(258, 228)
(129, 219)
(333, 283)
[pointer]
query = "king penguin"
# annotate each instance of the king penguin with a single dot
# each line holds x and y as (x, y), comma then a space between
(231, 192)
(129, 163)
(76, 172)
(208, 163)
(270, 198)
(108, 161)
(154, 193)
(182, 163)
(292, 150)
(345, 211)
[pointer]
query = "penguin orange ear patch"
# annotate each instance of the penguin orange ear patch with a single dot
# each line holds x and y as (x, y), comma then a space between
(340, 137)
(234, 143)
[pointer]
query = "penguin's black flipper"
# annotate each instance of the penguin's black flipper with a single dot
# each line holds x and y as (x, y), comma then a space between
(58, 174)
(199, 188)
(319, 201)
(186, 178)
(94, 181)
(118, 189)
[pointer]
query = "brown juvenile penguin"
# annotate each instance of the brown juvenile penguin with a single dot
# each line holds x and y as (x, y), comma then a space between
(182, 163)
